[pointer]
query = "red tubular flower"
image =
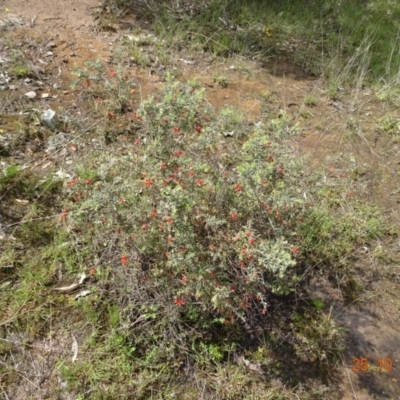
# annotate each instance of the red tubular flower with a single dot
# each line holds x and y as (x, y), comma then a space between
(148, 182)
(153, 213)
(238, 187)
(200, 182)
(179, 302)
(124, 260)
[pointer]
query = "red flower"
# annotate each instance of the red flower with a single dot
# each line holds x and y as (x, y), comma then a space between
(242, 264)
(153, 213)
(233, 215)
(198, 128)
(144, 227)
(200, 182)
(124, 260)
(89, 182)
(167, 254)
(295, 250)
(139, 118)
(86, 83)
(110, 116)
(264, 311)
(183, 279)
(252, 241)
(191, 173)
(179, 302)
(92, 271)
(169, 220)
(113, 73)
(176, 129)
(163, 166)
(238, 187)
(64, 214)
(178, 153)
(148, 182)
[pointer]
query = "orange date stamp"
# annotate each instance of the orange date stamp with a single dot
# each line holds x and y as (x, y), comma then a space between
(362, 365)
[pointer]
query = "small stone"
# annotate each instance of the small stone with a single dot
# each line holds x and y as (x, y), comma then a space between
(49, 54)
(394, 380)
(31, 95)
(45, 95)
(27, 80)
(51, 45)
(49, 117)
(374, 286)
(12, 87)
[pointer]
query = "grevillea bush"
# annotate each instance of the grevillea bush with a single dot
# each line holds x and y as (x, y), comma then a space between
(213, 223)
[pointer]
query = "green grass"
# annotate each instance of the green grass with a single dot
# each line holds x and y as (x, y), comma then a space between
(342, 41)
